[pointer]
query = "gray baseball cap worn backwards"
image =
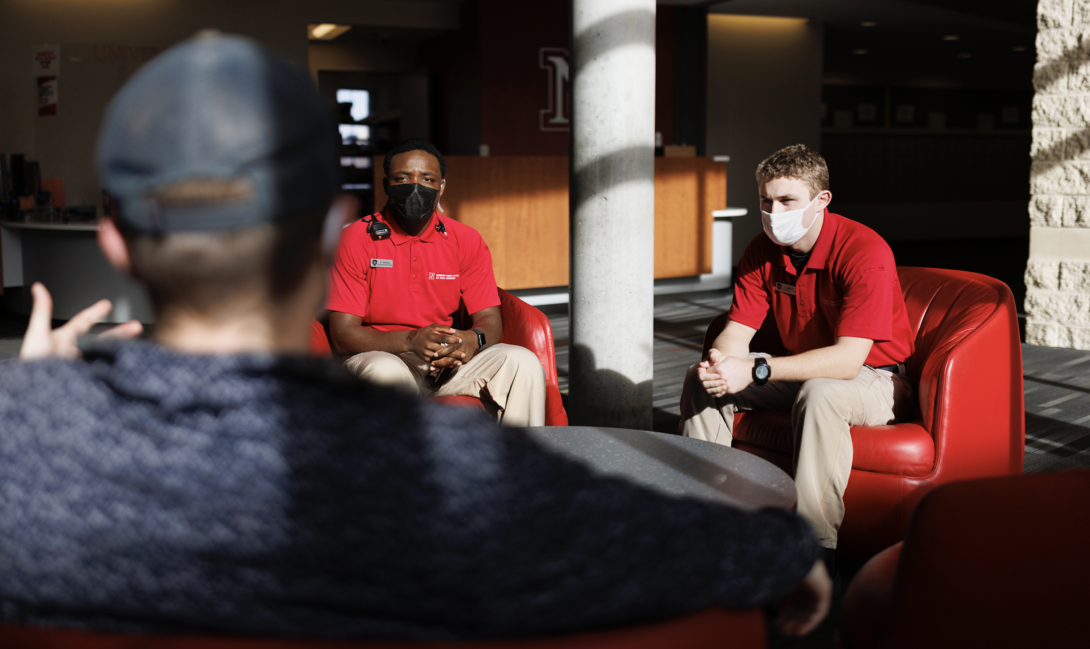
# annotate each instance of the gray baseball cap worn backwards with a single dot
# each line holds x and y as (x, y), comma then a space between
(223, 109)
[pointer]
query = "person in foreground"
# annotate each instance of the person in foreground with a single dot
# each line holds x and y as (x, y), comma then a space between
(397, 282)
(833, 289)
(217, 480)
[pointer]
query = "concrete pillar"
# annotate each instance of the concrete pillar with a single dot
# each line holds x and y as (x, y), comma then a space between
(1058, 272)
(612, 212)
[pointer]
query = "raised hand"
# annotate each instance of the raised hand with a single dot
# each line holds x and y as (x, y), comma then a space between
(42, 341)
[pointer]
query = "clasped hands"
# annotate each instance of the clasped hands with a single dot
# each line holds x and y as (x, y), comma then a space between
(442, 346)
(721, 374)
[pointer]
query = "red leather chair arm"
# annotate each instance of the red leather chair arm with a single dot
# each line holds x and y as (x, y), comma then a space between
(528, 327)
(968, 363)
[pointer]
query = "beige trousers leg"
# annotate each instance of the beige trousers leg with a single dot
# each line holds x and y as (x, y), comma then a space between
(509, 375)
(822, 414)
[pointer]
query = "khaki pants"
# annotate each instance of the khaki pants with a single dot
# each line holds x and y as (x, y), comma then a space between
(822, 412)
(509, 375)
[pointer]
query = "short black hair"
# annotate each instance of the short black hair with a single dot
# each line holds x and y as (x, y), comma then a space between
(405, 146)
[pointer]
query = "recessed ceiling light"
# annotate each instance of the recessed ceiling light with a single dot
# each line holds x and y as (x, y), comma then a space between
(859, 51)
(868, 23)
(327, 31)
(1019, 48)
(951, 37)
(965, 55)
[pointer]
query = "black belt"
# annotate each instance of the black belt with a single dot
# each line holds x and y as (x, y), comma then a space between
(896, 369)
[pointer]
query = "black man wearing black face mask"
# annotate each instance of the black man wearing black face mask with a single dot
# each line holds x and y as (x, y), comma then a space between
(398, 278)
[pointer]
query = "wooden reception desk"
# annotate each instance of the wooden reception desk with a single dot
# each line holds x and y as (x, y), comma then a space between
(520, 207)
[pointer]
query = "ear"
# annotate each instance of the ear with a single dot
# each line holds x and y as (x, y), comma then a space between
(824, 198)
(113, 246)
(342, 210)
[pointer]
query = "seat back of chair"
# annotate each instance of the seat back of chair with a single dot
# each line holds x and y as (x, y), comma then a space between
(708, 629)
(996, 562)
(967, 367)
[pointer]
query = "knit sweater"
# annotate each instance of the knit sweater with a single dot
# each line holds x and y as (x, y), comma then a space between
(150, 491)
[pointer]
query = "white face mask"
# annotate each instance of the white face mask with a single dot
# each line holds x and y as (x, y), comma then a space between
(785, 228)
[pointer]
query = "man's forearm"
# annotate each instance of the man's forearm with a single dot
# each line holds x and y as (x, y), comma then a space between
(734, 340)
(839, 361)
(358, 339)
(491, 325)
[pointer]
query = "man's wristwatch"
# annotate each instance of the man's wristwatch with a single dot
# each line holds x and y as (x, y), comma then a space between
(480, 338)
(761, 371)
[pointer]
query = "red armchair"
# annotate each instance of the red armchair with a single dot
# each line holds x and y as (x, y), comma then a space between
(967, 371)
(986, 563)
(704, 630)
(523, 325)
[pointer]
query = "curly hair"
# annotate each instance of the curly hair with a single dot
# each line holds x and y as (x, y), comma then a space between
(796, 161)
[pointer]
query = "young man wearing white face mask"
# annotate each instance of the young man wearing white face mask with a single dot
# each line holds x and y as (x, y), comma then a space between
(832, 288)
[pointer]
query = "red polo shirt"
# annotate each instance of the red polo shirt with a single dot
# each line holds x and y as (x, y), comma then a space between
(408, 282)
(849, 287)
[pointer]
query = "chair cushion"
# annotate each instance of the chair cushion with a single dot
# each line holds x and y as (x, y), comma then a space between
(900, 449)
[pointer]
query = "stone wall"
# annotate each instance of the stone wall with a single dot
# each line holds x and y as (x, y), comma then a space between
(1058, 271)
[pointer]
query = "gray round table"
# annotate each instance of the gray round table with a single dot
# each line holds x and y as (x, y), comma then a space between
(674, 464)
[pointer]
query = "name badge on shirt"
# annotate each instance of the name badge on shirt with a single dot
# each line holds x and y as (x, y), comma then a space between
(783, 288)
(382, 263)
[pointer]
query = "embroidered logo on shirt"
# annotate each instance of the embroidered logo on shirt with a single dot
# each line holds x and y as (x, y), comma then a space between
(785, 288)
(382, 263)
(441, 276)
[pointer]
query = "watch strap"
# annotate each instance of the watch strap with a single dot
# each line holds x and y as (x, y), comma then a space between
(481, 341)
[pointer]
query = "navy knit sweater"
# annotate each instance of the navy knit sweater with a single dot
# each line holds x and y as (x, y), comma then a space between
(145, 490)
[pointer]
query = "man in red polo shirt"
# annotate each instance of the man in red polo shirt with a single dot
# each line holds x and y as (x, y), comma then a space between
(398, 279)
(833, 289)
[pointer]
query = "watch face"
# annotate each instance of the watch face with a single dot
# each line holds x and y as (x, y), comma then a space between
(762, 372)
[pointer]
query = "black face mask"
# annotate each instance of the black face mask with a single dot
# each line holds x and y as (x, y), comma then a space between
(411, 204)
